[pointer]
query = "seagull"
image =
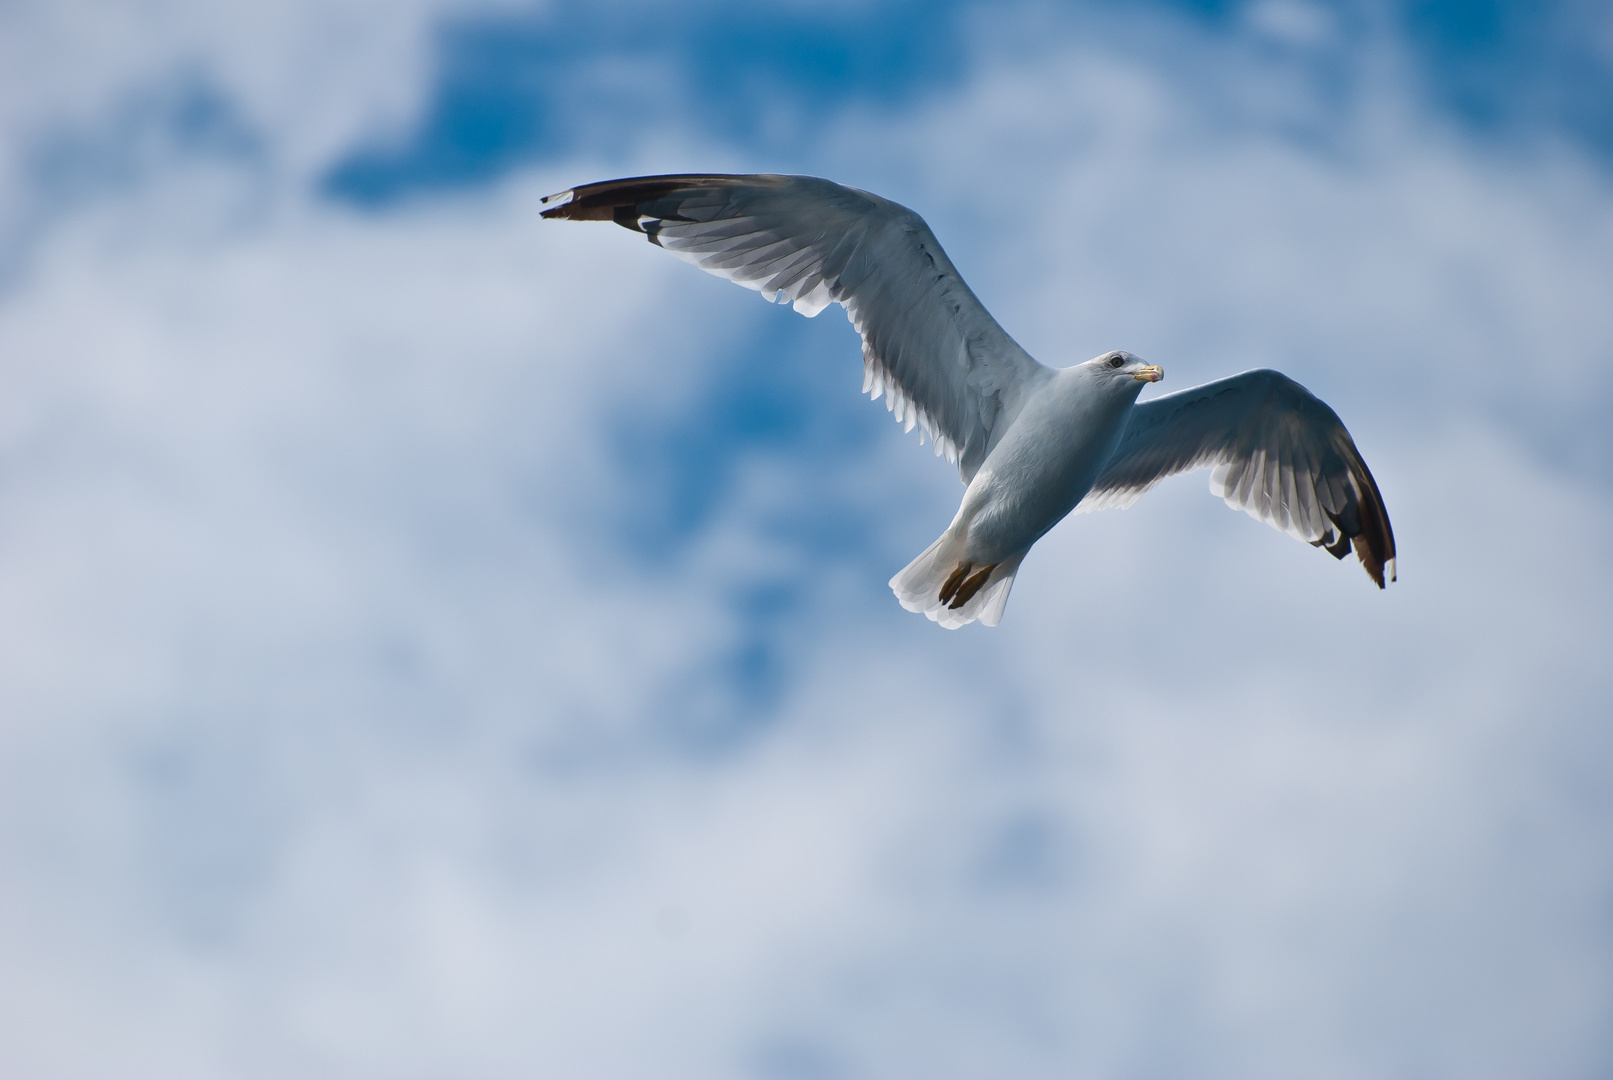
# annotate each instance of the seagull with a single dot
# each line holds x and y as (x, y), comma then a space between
(1032, 443)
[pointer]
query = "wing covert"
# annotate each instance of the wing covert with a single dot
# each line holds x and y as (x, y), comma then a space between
(1277, 452)
(930, 347)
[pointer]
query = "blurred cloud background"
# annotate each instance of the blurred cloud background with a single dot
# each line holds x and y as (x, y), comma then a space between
(436, 642)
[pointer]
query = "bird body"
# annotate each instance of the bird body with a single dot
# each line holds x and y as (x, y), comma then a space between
(1048, 458)
(1032, 443)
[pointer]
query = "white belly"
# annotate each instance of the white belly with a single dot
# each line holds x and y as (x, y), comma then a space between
(1044, 465)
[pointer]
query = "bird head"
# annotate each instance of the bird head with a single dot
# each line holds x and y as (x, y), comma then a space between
(1123, 369)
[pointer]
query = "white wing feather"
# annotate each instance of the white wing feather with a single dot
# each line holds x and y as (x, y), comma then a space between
(930, 347)
(1276, 452)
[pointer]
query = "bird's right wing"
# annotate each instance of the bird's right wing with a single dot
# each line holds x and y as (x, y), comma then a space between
(1278, 453)
(929, 345)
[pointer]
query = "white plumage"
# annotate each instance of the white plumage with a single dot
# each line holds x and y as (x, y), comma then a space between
(1031, 442)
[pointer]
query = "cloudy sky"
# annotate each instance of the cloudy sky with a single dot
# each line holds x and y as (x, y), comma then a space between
(436, 642)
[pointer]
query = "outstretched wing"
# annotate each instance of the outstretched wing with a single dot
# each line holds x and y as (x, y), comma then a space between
(929, 345)
(1278, 453)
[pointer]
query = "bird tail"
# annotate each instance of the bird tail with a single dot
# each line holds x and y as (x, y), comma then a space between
(952, 590)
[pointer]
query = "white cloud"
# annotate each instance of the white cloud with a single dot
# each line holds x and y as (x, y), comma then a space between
(1296, 22)
(341, 735)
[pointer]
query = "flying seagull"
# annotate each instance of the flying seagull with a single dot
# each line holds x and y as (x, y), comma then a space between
(1032, 443)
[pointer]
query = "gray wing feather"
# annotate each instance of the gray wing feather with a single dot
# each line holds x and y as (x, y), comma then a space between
(1276, 452)
(929, 346)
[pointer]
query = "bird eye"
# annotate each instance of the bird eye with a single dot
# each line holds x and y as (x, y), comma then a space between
(1116, 362)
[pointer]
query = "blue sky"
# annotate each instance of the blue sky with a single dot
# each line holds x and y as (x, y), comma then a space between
(438, 641)
(512, 89)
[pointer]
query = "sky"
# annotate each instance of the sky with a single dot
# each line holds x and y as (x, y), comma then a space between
(439, 642)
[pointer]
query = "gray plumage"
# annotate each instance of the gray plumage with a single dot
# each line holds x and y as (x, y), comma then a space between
(1031, 442)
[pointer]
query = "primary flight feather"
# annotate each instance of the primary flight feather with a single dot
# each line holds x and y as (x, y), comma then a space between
(1032, 443)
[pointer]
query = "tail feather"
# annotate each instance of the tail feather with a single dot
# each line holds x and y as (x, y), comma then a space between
(952, 591)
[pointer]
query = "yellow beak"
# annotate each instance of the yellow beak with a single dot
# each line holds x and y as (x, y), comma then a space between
(1149, 373)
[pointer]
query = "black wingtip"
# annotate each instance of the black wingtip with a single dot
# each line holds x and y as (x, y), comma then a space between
(619, 200)
(1375, 542)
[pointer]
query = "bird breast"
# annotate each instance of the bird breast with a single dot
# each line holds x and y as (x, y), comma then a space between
(1043, 466)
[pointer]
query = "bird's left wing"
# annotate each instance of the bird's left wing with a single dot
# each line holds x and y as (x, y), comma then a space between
(929, 345)
(1278, 453)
